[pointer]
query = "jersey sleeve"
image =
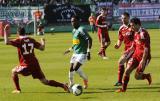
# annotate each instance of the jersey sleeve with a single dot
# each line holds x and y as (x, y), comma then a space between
(145, 38)
(36, 44)
(98, 20)
(15, 43)
(120, 36)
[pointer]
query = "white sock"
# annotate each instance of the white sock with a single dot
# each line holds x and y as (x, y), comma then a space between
(81, 74)
(71, 81)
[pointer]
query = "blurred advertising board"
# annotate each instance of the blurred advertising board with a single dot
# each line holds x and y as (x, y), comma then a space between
(63, 13)
(146, 12)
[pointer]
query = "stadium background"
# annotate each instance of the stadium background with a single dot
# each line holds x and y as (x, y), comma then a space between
(57, 13)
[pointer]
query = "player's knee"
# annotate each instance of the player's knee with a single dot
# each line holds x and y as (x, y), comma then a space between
(121, 62)
(138, 76)
(127, 72)
(44, 81)
(13, 71)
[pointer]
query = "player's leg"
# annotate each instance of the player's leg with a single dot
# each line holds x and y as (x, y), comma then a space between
(71, 71)
(41, 77)
(101, 46)
(81, 74)
(77, 67)
(140, 75)
(121, 69)
(131, 65)
(71, 75)
(54, 83)
(106, 43)
(15, 71)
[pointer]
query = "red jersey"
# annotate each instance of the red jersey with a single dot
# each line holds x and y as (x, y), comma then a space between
(141, 40)
(127, 35)
(25, 46)
(101, 20)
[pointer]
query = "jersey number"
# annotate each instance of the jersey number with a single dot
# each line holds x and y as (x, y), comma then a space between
(28, 48)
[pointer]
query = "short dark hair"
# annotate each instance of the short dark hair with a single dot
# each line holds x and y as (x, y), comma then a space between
(136, 21)
(76, 17)
(21, 30)
(126, 14)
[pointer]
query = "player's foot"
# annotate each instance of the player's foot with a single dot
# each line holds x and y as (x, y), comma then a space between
(16, 91)
(85, 84)
(149, 78)
(118, 84)
(65, 87)
(120, 90)
(105, 57)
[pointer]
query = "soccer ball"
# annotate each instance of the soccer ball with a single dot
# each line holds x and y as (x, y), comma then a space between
(77, 89)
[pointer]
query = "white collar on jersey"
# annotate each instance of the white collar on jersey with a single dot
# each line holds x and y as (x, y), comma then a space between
(21, 37)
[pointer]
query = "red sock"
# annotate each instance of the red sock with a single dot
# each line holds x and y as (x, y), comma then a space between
(55, 83)
(103, 51)
(125, 82)
(120, 72)
(16, 81)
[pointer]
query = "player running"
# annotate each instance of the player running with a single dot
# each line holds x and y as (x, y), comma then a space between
(141, 56)
(126, 35)
(82, 44)
(29, 64)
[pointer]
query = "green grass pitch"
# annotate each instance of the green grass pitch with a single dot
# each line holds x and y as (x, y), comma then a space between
(102, 74)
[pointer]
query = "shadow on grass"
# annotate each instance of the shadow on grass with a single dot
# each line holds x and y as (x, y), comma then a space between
(47, 92)
(137, 88)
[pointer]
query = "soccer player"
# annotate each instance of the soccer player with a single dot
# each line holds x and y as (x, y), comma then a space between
(141, 56)
(29, 64)
(103, 32)
(126, 35)
(82, 44)
(92, 21)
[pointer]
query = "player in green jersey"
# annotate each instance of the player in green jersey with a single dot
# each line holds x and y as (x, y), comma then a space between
(82, 43)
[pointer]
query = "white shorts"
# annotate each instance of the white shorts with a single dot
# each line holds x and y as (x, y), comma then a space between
(78, 58)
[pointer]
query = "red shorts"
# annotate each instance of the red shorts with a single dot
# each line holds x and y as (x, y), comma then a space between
(26, 71)
(104, 37)
(135, 63)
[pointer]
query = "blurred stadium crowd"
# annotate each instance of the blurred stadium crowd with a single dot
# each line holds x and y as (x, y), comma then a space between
(59, 2)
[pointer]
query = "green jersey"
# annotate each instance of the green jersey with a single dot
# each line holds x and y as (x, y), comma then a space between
(80, 40)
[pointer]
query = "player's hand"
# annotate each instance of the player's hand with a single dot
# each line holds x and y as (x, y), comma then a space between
(66, 52)
(88, 56)
(116, 46)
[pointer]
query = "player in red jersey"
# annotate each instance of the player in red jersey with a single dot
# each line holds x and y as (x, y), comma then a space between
(103, 32)
(126, 35)
(141, 56)
(29, 64)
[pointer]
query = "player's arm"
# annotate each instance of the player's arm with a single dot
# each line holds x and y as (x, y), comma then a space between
(6, 39)
(131, 49)
(68, 50)
(145, 55)
(42, 46)
(120, 39)
(89, 41)
(98, 23)
(118, 44)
